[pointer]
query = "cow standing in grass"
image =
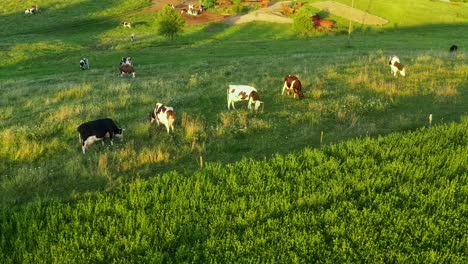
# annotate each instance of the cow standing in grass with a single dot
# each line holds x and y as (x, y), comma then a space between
(293, 83)
(453, 49)
(84, 63)
(32, 10)
(163, 115)
(95, 130)
(126, 61)
(127, 69)
(237, 93)
(396, 66)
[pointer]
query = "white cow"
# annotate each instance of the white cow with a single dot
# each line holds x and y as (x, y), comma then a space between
(396, 66)
(164, 115)
(237, 93)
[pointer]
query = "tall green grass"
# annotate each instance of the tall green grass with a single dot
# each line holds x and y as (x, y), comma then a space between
(398, 198)
(354, 201)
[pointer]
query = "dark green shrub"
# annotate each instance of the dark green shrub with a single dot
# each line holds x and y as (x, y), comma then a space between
(208, 3)
(169, 23)
(302, 23)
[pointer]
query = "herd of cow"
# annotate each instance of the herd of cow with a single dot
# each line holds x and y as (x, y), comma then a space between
(95, 130)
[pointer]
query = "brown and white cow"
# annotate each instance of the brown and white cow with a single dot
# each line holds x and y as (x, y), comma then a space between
(293, 83)
(396, 66)
(163, 115)
(125, 68)
(237, 93)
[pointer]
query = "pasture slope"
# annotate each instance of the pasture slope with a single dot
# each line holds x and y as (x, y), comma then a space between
(352, 173)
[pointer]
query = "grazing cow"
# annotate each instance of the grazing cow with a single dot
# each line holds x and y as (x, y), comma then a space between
(163, 115)
(32, 10)
(133, 37)
(95, 130)
(453, 49)
(128, 69)
(396, 66)
(237, 93)
(291, 82)
(126, 24)
(194, 10)
(84, 63)
(126, 61)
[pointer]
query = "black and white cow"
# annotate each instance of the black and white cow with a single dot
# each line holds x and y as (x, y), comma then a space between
(126, 61)
(163, 114)
(95, 130)
(32, 10)
(453, 49)
(237, 93)
(84, 63)
(133, 37)
(396, 66)
(126, 25)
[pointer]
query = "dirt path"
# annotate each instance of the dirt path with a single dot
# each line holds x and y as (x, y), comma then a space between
(350, 13)
(204, 18)
(271, 13)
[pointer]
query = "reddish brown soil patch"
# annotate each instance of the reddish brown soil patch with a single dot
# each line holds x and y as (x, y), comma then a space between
(204, 18)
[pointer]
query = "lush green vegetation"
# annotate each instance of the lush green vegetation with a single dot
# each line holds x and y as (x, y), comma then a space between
(400, 197)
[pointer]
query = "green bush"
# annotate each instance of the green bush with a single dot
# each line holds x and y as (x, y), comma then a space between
(302, 23)
(208, 3)
(169, 23)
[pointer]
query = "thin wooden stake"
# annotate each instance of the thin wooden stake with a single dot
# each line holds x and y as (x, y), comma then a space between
(201, 161)
(430, 120)
(321, 137)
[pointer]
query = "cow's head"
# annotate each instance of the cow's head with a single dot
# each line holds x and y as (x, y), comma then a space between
(257, 104)
(119, 133)
(300, 94)
(152, 117)
(403, 72)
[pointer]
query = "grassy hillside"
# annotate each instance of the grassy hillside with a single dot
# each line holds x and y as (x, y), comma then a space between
(399, 198)
(115, 202)
(413, 13)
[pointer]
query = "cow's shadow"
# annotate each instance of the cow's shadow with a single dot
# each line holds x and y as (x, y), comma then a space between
(324, 13)
(140, 23)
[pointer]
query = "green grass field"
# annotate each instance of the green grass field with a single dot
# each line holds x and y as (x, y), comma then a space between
(351, 173)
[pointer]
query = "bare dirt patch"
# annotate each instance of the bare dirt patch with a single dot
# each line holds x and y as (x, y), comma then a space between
(272, 13)
(350, 13)
(203, 18)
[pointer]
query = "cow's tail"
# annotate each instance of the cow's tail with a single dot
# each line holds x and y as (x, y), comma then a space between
(171, 114)
(227, 96)
(170, 120)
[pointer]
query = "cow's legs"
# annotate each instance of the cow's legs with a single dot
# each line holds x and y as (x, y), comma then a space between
(111, 136)
(88, 142)
(285, 86)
